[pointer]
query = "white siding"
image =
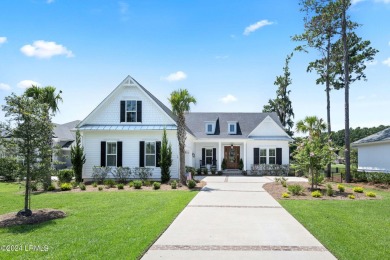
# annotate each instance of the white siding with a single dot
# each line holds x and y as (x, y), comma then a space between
(268, 127)
(374, 157)
(130, 156)
(190, 149)
(109, 112)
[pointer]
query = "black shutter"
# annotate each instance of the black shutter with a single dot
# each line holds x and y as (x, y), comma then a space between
(214, 156)
(256, 155)
(103, 154)
(123, 111)
(203, 156)
(142, 154)
(119, 155)
(279, 156)
(158, 153)
(139, 111)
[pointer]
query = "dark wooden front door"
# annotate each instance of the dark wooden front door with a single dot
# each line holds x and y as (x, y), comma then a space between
(232, 156)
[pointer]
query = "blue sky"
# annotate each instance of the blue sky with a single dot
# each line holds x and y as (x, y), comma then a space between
(226, 53)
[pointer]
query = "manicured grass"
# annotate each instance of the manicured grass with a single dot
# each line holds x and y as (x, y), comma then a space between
(99, 225)
(349, 229)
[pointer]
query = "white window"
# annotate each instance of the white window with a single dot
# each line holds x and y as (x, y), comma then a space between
(232, 128)
(263, 156)
(272, 156)
(131, 111)
(150, 154)
(209, 156)
(209, 128)
(111, 153)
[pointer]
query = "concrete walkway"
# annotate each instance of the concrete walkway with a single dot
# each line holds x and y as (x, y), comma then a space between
(235, 218)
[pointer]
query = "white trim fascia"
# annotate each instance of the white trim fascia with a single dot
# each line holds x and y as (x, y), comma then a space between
(370, 143)
(263, 121)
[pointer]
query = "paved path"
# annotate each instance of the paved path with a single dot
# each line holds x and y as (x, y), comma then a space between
(235, 218)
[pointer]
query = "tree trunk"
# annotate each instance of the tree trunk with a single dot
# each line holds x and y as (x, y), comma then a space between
(181, 136)
(346, 86)
(329, 166)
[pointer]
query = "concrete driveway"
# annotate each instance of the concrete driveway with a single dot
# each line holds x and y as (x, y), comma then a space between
(234, 217)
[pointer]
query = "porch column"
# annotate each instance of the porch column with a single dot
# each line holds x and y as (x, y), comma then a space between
(244, 155)
(219, 156)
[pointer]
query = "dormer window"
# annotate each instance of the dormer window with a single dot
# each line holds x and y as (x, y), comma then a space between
(232, 128)
(210, 128)
(131, 111)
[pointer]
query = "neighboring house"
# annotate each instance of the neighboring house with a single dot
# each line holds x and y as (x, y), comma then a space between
(373, 152)
(126, 129)
(63, 138)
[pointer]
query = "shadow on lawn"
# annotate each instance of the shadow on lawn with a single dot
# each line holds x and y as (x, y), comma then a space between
(26, 228)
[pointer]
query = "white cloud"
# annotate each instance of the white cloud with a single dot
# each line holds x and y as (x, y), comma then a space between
(354, 2)
(27, 83)
(179, 75)
(4, 86)
(253, 27)
(387, 62)
(124, 10)
(44, 49)
(228, 99)
(3, 40)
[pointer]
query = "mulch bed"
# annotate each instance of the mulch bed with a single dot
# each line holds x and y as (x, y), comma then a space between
(38, 216)
(276, 190)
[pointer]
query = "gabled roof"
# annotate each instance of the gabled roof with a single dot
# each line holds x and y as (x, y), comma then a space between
(382, 136)
(131, 81)
(246, 123)
(63, 131)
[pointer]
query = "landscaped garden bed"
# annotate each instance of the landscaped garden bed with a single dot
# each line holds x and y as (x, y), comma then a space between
(276, 190)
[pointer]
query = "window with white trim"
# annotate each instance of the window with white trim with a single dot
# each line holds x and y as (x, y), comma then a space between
(209, 128)
(150, 154)
(272, 156)
(209, 156)
(263, 156)
(131, 111)
(232, 128)
(111, 154)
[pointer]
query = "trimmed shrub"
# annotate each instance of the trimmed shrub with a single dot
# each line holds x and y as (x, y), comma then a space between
(65, 175)
(220, 173)
(316, 194)
(213, 171)
(285, 195)
(329, 190)
(74, 184)
(284, 183)
(147, 183)
(191, 184)
(371, 194)
(352, 197)
(341, 187)
(240, 165)
(94, 184)
(109, 184)
(143, 173)
(137, 184)
(100, 188)
(223, 164)
(358, 189)
(131, 184)
(82, 186)
(121, 174)
(51, 187)
(99, 174)
(199, 171)
(295, 189)
(121, 186)
(173, 185)
(156, 185)
(9, 168)
(66, 186)
(205, 171)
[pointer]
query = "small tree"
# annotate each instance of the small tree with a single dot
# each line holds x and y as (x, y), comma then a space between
(314, 152)
(166, 158)
(31, 129)
(77, 158)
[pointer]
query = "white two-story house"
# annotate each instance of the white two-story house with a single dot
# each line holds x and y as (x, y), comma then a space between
(126, 129)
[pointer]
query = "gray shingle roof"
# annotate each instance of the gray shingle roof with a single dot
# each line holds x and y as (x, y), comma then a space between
(63, 131)
(381, 136)
(247, 122)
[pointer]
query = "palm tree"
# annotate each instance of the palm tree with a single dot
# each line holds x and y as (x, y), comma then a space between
(312, 125)
(180, 101)
(46, 95)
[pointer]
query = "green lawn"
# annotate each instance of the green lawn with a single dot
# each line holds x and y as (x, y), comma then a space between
(349, 229)
(99, 225)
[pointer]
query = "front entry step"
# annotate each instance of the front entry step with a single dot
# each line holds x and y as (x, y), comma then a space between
(231, 172)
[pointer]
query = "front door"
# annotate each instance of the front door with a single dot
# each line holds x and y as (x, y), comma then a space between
(232, 157)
